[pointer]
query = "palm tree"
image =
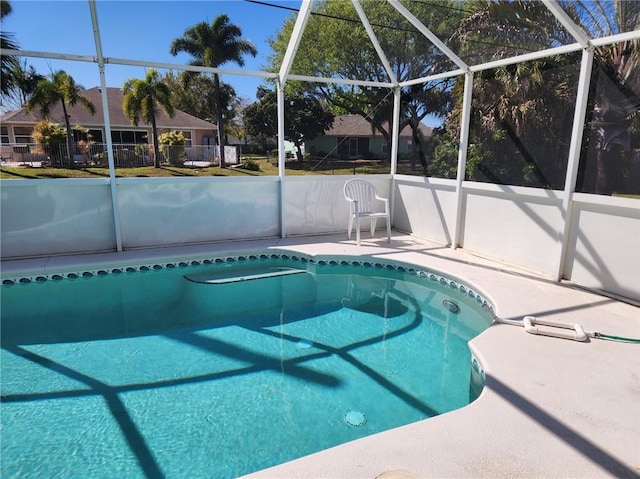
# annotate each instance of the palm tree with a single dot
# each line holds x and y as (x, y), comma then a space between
(212, 46)
(615, 90)
(61, 88)
(529, 105)
(141, 98)
(24, 80)
(8, 61)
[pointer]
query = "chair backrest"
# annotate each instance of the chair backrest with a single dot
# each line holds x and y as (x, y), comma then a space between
(361, 191)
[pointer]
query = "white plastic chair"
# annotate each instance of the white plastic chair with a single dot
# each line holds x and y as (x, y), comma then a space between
(361, 196)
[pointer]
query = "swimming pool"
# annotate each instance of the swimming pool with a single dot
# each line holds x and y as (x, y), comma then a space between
(217, 367)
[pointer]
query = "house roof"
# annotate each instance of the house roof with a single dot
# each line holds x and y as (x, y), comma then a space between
(79, 115)
(355, 125)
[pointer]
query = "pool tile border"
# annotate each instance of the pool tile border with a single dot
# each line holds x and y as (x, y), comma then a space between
(143, 267)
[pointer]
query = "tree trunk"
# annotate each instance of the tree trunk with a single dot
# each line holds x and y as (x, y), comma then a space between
(299, 153)
(156, 149)
(418, 147)
(70, 149)
(216, 80)
(609, 165)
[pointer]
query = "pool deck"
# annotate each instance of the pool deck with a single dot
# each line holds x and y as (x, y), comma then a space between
(551, 407)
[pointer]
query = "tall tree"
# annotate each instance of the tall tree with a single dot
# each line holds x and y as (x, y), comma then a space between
(521, 114)
(614, 95)
(196, 94)
(63, 89)
(212, 46)
(8, 61)
(260, 119)
(141, 100)
(305, 118)
(25, 79)
(336, 45)
(529, 102)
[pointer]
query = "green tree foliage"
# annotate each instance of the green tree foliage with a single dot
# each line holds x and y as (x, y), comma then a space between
(24, 80)
(336, 45)
(522, 114)
(195, 94)
(141, 100)
(172, 145)
(234, 125)
(608, 162)
(61, 88)
(521, 122)
(212, 46)
(260, 119)
(305, 118)
(50, 137)
(8, 61)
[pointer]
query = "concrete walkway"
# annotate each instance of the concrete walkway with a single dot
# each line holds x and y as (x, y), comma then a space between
(552, 408)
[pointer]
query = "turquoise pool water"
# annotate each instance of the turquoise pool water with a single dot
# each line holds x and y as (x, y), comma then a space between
(219, 369)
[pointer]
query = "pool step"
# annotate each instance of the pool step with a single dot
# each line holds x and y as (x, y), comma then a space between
(235, 275)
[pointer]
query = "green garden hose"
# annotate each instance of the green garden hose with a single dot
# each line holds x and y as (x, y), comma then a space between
(615, 338)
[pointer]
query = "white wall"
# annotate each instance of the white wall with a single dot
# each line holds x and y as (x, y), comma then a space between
(523, 227)
(316, 204)
(425, 207)
(45, 217)
(604, 246)
(170, 211)
(512, 224)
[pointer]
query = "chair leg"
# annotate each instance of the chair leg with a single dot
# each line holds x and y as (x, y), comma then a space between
(358, 230)
(350, 227)
(373, 226)
(388, 230)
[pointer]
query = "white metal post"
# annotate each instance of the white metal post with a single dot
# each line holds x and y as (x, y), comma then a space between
(107, 125)
(395, 130)
(281, 154)
(285, 68)
(462, 155)
(395, 138)
(577, 131)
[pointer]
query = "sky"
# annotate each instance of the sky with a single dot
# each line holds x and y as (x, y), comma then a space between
(137, 30)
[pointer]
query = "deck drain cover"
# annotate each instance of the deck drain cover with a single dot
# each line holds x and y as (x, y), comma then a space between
(304, 344)
(355, 418)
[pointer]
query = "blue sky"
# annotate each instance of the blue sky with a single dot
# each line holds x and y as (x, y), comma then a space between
(139, 30)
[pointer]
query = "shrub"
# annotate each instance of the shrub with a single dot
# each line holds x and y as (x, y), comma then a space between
(251, 165)
(172, 147)
(52, 139)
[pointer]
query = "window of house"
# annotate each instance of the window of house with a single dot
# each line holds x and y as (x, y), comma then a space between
(129, 137)
(96, 135)
(22, 134)
(385, 147)
(4, 135)
(187, 135)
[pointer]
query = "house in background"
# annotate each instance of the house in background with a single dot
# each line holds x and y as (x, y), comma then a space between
(17, 126)
(351, 137)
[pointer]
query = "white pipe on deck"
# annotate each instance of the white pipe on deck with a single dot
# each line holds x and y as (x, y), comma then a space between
(555, 329)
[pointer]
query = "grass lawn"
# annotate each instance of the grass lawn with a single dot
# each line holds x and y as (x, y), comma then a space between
(266, 169)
